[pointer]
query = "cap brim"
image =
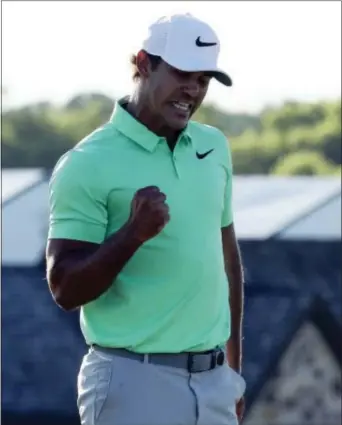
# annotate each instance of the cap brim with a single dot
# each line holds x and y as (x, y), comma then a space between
(218, 74)
(222, 77)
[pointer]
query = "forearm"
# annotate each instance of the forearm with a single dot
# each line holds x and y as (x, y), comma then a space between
(236, 300)
(84, 279)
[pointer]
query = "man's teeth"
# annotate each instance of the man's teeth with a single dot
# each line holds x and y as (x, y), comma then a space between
(182, 106)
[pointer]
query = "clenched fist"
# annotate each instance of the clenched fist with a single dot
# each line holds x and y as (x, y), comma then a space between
(149, 213)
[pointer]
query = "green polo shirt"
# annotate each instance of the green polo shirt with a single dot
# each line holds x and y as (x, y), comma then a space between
(172, 296)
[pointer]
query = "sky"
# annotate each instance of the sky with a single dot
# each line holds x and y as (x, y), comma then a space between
(274, 51)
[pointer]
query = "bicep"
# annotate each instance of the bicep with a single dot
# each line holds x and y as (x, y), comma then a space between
(63, 253)
(58, 250)
(78, 206)
(227, 214)
(231, 253)
(229, 241)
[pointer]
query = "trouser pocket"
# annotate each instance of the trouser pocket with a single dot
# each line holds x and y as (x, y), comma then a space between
(93, 386)
(238, 382)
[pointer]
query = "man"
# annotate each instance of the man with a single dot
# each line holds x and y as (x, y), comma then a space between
(142, 240)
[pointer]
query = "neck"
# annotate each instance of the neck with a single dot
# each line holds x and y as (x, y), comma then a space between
(138, 108)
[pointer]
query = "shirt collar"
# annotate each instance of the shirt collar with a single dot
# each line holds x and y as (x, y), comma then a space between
(126, 124)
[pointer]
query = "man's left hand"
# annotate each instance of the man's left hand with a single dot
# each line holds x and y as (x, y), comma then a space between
(240, 409)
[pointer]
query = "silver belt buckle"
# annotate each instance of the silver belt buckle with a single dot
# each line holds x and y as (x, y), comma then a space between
(191, 366)
(216, 358)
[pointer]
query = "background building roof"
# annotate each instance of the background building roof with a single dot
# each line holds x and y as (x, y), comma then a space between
(17, 180)
(264, 207)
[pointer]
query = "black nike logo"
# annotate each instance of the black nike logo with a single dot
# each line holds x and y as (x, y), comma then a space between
(203, 155)
(200, 43)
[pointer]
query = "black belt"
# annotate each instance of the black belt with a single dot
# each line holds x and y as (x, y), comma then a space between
(192, 362)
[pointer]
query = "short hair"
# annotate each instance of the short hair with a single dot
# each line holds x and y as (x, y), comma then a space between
(154, 60)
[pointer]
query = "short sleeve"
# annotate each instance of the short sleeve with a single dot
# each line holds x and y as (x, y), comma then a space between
(227, 215)
(77, 201)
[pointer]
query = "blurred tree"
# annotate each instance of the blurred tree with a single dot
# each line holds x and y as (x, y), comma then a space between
(338, 171)
(303, 163)
(255, 153)
(231, 124)
(31, 140)
(292, 115)
(82, 101)
(295, 138)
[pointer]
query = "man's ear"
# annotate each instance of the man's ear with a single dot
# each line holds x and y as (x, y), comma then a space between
(143, 64)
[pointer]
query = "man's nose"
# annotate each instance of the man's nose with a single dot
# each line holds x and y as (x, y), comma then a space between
(191, 89)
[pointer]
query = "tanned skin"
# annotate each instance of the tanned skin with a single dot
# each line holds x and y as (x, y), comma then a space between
(74, 266)
(234, 273)
(79, 272)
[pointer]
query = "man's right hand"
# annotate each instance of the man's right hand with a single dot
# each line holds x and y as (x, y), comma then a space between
(73, 266)
(149, 213)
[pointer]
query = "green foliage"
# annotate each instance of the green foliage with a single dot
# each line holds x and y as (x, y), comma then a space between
(230, 124)
(305, 163)
(293, 115)
(255, 153)
(303, 139)
(298, 139)
(338, 171)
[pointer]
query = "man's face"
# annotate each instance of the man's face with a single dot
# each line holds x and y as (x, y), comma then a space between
(174, 96)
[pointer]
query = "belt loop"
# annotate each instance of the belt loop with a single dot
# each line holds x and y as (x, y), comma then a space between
(190, 362)
(146, 358)
(213, 361)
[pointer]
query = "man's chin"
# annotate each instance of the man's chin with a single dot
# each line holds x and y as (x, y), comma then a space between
(177, 123)
(176, 119)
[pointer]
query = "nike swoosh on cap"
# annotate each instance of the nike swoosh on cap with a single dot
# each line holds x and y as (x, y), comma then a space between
(200, 43)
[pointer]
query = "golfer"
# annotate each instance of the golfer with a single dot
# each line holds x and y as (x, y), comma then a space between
(141, 240)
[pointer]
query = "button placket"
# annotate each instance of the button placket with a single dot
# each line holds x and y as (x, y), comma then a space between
(176, 155)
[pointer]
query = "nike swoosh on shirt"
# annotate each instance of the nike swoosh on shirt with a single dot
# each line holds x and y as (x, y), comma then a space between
(203, 155)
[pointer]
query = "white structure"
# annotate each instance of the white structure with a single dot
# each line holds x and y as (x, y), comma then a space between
(287, 207)
(307, 382)
(265, 206)
(24, 216)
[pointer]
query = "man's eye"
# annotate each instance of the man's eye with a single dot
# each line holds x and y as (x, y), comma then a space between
(204, 81)
(182, 74)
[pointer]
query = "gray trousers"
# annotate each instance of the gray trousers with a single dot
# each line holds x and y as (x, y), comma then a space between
(113, 390)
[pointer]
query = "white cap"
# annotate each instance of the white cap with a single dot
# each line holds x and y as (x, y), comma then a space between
(187, 44)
